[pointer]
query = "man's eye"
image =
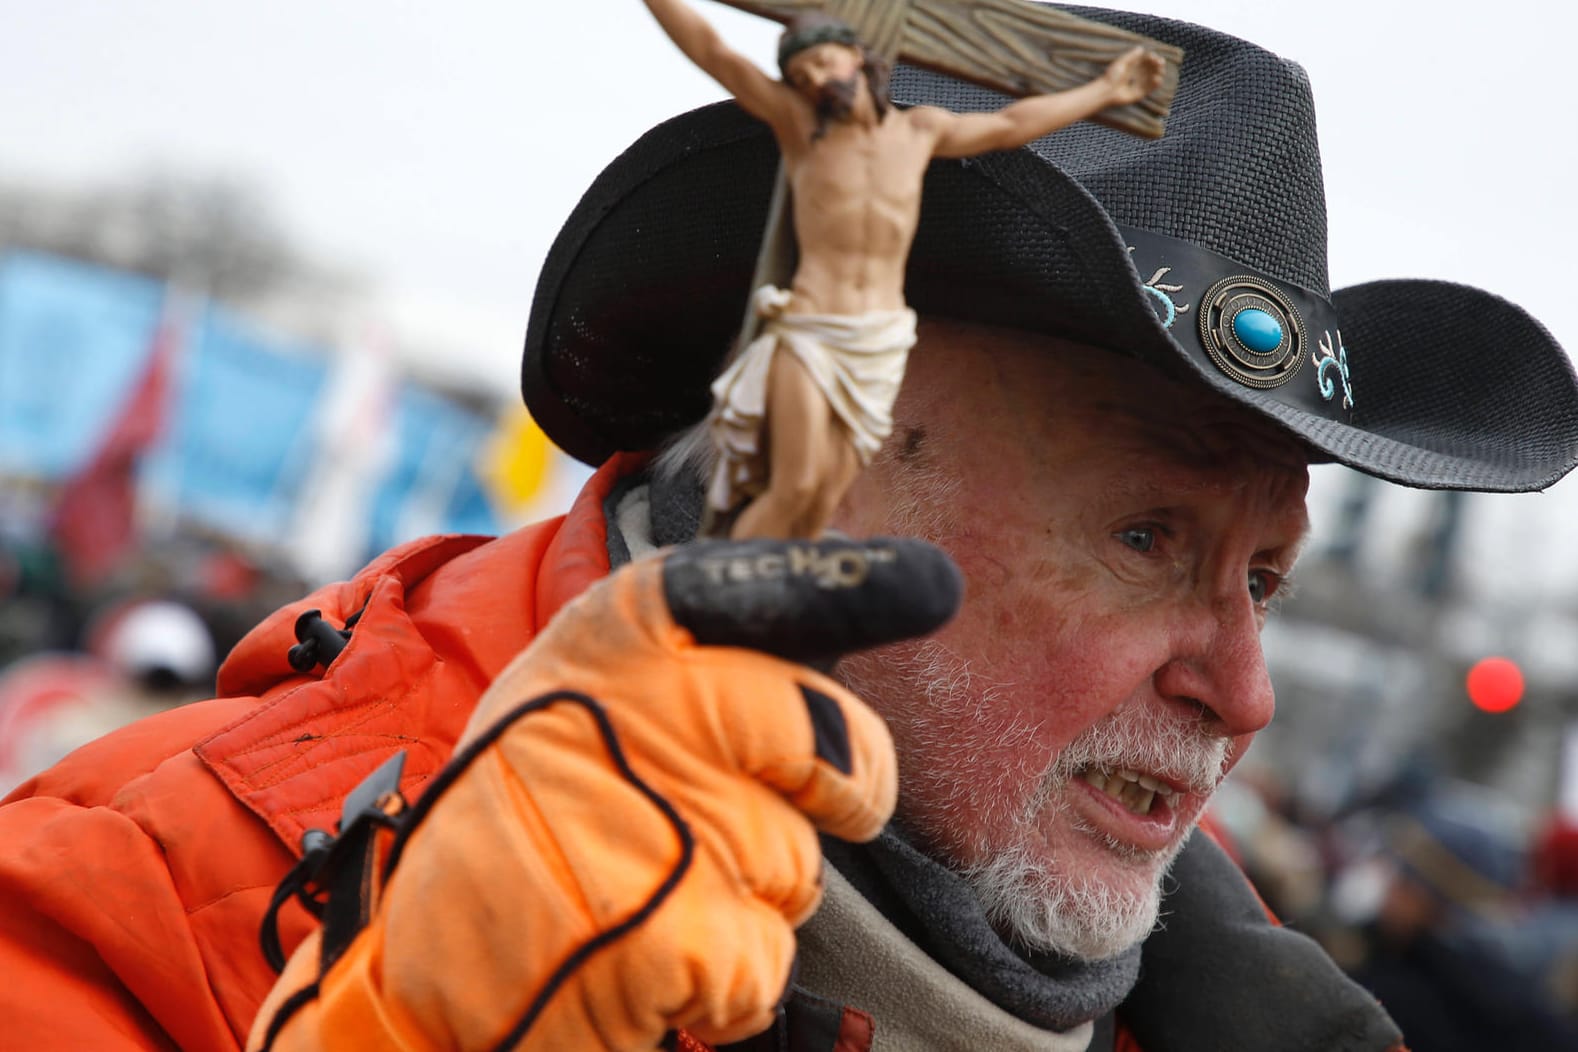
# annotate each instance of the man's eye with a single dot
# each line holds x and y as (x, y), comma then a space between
(1262, 585)
(1140, 538)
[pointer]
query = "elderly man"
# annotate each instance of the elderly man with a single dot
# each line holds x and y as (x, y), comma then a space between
(1128, 357)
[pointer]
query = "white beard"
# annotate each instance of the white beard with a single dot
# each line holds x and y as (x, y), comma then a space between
(952, 710)
(1059, 913)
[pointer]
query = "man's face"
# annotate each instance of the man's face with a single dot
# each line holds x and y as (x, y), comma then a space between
(1121, 538)
(828, 76)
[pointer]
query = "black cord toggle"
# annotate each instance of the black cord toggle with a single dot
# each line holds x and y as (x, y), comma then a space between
(318, 642)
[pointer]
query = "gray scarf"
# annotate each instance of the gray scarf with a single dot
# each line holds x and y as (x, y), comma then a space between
(939, 912)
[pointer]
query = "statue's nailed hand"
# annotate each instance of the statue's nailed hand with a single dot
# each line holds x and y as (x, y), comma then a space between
(1133, 75)
(625, 838)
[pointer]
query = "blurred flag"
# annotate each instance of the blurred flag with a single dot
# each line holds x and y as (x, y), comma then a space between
(432, 485)
(515, 464)
(354, 442)
(93, 523)
(74, 342)
(240, 443)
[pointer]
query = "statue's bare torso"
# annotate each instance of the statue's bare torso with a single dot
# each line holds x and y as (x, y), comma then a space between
(857, 194)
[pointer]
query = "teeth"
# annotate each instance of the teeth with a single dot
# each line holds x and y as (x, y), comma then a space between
(1141, 801)
(1132, 789)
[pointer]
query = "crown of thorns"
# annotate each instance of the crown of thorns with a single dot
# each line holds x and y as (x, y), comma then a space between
(829, 31)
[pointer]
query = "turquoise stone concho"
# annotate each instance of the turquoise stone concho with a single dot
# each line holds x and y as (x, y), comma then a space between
(1252, 331)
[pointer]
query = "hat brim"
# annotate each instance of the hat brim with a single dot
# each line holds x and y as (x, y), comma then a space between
(640, 297)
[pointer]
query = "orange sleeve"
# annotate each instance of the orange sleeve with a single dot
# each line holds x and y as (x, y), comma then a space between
(94, 943)
(131, 884)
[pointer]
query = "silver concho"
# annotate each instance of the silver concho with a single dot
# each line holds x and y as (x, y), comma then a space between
(1263, 369)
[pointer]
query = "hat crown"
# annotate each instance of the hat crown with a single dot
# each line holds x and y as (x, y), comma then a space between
(1238, 171)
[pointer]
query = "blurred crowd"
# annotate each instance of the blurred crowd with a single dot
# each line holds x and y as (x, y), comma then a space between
(1456, 910)
(81, 658)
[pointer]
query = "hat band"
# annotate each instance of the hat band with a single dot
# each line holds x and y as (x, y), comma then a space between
(1260, 332)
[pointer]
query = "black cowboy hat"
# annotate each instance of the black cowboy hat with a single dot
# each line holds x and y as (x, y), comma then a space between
(1202, 253)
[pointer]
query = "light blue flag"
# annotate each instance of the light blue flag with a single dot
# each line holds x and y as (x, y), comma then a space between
(432, 484)
(74, 339)
(240, 439)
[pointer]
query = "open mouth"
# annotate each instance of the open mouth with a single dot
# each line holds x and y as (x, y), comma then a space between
(1135, 791)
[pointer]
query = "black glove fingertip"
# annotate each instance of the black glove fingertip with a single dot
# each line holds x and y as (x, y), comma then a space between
(810, 601)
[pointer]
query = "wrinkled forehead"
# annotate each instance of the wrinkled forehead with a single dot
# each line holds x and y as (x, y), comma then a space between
(1070, 403)
(1216, 438)
(1172, 419)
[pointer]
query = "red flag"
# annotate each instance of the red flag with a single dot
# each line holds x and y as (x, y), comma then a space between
(94, 519)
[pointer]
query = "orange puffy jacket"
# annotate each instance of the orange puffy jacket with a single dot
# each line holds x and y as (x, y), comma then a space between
(134, 874)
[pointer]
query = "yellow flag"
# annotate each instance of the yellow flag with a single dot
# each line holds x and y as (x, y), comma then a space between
(515, 463)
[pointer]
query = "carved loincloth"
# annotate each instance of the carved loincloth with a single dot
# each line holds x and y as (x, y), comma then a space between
(857, 361)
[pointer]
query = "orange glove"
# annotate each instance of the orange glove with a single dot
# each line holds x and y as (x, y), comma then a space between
(595, 869)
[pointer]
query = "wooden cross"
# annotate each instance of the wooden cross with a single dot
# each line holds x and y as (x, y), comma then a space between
(1013, 46)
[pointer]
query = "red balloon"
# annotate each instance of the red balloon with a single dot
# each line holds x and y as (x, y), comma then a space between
(1495, 684)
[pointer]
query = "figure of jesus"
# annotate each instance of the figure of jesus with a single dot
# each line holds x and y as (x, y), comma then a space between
(808, 402)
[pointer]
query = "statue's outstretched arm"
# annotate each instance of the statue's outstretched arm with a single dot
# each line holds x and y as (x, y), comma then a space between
(759, 94)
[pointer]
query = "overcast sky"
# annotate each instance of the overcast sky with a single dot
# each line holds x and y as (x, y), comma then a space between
(436, 148)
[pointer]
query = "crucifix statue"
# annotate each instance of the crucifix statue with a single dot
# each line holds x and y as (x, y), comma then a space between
(807, 401)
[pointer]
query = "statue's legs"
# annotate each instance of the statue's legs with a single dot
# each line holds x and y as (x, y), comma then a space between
(810, 458)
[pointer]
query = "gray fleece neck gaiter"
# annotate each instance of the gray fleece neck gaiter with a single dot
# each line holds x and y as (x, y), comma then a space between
(939, 912)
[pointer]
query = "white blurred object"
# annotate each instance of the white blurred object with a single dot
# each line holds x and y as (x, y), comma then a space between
(356, 447)
(155, 636)
(1567, 794)
(1359, 890)
(144, 657)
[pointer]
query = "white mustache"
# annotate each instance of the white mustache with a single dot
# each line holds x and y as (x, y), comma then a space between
(1178, 749)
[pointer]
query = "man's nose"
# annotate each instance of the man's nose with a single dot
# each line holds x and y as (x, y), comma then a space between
(1217, 662)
